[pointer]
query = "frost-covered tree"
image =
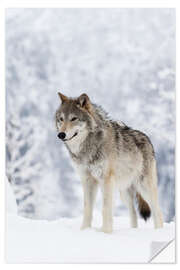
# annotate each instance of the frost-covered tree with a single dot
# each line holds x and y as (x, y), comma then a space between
(30, 170)
(22, 166)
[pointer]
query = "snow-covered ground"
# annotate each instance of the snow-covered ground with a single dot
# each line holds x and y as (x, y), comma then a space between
(62, 241)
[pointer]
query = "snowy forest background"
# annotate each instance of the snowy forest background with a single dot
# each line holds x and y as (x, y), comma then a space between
(124, 59)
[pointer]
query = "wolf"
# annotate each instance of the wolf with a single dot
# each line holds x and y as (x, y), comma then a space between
(110, 155)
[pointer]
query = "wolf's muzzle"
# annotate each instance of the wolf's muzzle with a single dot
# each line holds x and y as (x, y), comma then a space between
(62, 135)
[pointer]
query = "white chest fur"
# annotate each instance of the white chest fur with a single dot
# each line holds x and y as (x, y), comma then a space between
(97, 170)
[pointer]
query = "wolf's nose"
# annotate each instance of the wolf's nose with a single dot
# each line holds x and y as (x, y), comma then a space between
(62, 135)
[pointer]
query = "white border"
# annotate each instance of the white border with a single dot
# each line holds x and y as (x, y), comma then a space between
(2, 132)
(74, 4)
(91, 3)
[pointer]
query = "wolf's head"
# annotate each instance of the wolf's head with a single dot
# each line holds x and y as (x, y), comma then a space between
(74, 118)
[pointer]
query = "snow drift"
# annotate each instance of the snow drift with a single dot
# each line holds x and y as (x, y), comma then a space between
(62, 241)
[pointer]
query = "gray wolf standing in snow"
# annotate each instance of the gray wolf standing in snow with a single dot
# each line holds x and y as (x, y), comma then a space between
(110, 155)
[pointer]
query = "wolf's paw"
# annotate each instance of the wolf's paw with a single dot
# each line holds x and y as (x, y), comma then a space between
(105, 230)
(158, 226)
(84, 226)
(133, 226)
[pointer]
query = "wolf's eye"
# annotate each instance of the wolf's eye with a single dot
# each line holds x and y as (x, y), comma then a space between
(74, 119)
(61, 119)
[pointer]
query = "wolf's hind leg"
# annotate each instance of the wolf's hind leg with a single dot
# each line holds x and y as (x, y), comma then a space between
(90, 190)
(127, 197)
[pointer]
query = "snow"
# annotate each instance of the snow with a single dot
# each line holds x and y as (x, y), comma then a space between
(62, 241)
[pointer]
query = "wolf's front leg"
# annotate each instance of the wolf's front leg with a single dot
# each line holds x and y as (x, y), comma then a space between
(108, 191)
(90, 191)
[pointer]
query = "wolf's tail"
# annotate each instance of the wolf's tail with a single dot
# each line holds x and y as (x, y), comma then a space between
(143, 207)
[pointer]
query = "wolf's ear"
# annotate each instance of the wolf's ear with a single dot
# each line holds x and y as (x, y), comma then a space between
(62, 97)
(84, 101)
